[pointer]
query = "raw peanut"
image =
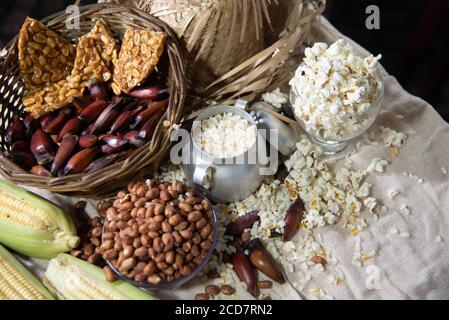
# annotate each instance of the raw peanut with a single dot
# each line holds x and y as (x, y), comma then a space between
(195, 250)
(164, 195)
(179, 259)
(162, 265)
(227, 289)
(205, 204)
(201, 223)
(154, 226)
(140, 277)
(169, 271)
(186, 246)
(159, 218)
(149, 212)
(153, 234)
(206, 231)
(159, 258)
(168, 241)
(144, 228)
(169, 211)
(141, 191)
(194, 216)
(125, 206)
(159, 209)
(150, 268)
(108, 274)
(170, 257)
(127, 251)
(212, 290)
(191, 200)
(141, 252)
(137, 243)
(201, 296)
(154, 279)
(177, 237)
(197, 238)
(153, 193)
(166, 227)
(266, 284)
(127, 264)
(185, 270)
(186, 234)
(184, 206)
(125, 215)
(175, 220)
(145, 240)
(140, 203)
(158, 245)
(181, 226)
(198, 260)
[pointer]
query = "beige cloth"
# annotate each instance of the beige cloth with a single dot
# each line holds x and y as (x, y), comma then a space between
(410, 268)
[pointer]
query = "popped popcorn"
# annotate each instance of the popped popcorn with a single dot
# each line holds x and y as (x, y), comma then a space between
(377, 165)
(276, 98)
(405, 209)
(226, 135)
(392, 193)
(333, 87)
(392, 138)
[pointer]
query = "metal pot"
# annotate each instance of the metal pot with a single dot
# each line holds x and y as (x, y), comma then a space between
(226, 179)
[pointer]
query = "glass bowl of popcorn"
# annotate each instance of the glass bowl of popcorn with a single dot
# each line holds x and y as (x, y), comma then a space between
(336, 94)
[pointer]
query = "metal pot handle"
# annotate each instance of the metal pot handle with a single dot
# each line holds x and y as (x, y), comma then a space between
(202, 175)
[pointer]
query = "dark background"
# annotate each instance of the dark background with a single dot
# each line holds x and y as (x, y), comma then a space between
(413, 37)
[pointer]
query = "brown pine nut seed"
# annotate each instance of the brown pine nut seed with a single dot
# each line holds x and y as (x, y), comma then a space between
(108, 274)
(184, 206)
(194, 216)
(265, 284)
(227, 289)
(211, 289)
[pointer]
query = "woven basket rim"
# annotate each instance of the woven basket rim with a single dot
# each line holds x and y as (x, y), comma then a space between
(92, 184)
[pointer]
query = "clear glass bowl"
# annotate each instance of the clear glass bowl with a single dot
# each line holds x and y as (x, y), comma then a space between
(350, 126)
(175, 283)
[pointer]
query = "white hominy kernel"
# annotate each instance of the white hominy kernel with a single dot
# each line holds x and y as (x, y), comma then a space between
(226, 135)
(404, 235)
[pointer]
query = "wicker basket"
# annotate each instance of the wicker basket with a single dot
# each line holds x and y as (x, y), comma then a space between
(227, 28)
(146, 158)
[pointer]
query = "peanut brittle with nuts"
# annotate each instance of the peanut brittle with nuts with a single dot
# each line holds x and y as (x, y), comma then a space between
(139, 55)
(44, 56)
(104, 43)
(88, 65)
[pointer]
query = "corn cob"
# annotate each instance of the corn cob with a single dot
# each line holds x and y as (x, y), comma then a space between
(33, 226)
(16, 282)
(70, 278)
